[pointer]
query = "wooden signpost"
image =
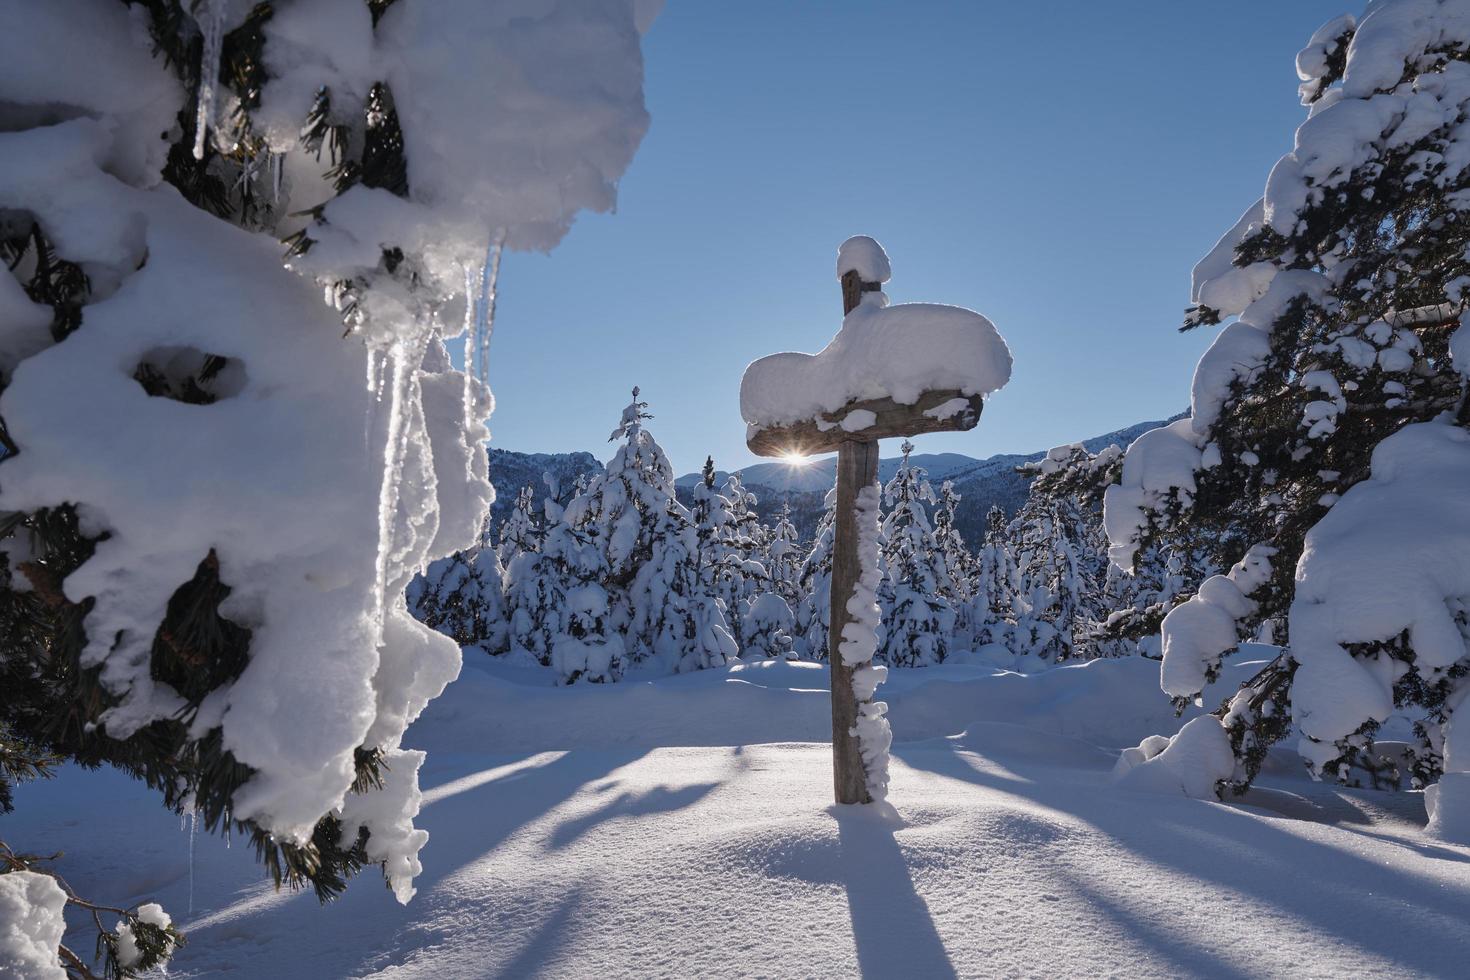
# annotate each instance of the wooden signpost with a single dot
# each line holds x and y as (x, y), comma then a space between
(857, 467)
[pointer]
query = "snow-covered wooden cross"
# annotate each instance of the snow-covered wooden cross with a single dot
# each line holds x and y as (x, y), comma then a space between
(890, 371)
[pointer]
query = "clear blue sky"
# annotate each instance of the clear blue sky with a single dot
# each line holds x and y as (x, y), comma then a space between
(1058, 166)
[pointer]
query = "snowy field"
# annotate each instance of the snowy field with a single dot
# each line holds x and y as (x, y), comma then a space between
(683, 827)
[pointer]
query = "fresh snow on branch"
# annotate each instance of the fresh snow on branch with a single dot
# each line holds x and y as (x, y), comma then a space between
(202, 412)
(1201, 631)
(1391, 557)
(32, 922)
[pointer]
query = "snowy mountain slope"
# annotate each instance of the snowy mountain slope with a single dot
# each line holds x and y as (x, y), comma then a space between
(510, 471)
(683, 827)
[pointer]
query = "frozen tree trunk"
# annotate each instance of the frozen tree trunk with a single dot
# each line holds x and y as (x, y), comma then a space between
(857, 467)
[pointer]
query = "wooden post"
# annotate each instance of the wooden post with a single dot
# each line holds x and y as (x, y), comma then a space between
(857, 467)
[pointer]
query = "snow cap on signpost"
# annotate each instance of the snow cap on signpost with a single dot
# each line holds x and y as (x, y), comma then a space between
(891, 370)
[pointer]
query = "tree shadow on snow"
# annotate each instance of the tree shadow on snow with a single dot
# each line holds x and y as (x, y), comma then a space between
(469, 812)
(660, 799)
(891, 925)
(1418, 922)
(543, 945)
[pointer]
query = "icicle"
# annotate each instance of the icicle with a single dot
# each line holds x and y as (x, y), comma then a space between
(193, 835)
(277, 165)
(405, 358)
(374, 374)
(388, 486)
(213, 28)
(489, 283)
(471, 289)
(375, 388)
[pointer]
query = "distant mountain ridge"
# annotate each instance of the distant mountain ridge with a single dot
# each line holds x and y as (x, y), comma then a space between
(819, 474)
(981, 483)
(511, 471)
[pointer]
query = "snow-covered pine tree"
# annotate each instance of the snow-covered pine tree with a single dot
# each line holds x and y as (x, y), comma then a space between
(537, 584)
(783, 558)
(521, 532)
(1328, 437)
(199, 523)
(958, 581)
(746, 530)
(740, 576)
(1069, 482)
(1164, 574)
(644, 553)
(676, 618)
(589, 648)
(556, 605)
(996, 583)
(1049, 602)
(461, 597)
(535, 604)
(918, 619)
(814, 581)
(709, 513)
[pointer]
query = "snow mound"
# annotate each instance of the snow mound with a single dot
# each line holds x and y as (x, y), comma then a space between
(1448, 805)
(882, 351)
(1192, 762)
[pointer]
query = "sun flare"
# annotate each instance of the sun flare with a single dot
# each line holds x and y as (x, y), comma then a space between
(795, 459)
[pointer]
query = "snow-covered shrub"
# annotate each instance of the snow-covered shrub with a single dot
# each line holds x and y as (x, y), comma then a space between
(1324, 451)
(768, 627)
(462, 596)
(535, 604)
(589, 649)
(217, 486)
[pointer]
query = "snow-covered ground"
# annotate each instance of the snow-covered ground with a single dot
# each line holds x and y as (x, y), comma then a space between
(684, 827)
